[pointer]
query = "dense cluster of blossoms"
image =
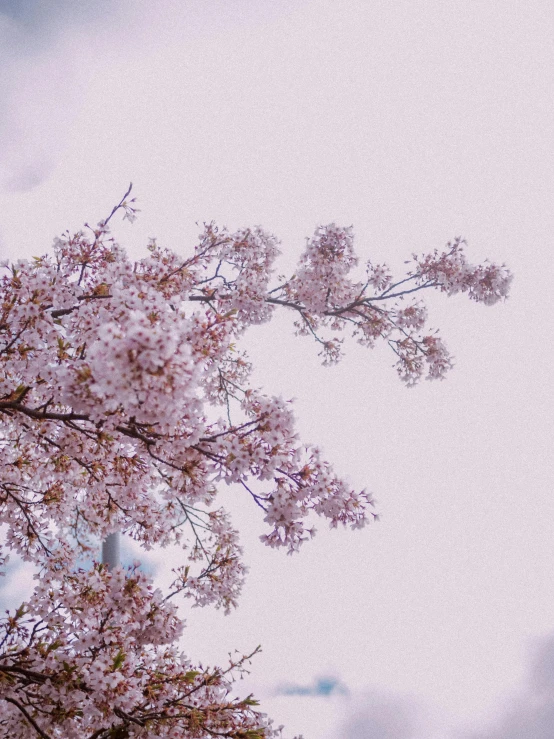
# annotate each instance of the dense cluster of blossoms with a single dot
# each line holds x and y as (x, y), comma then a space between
(108, 370)
(94, 655)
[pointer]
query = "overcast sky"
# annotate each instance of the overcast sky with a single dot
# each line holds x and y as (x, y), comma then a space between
(416, 121)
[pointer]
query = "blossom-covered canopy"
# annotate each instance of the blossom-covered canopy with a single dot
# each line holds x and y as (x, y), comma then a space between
(111, 374)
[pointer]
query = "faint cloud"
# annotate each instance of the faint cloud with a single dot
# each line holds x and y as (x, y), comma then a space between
(38, 15)
(33, 124)
(21, 10)
(322, 688)
(383, 717)
(542, 669)
(530, 714)
(29, 175)
(44, 73)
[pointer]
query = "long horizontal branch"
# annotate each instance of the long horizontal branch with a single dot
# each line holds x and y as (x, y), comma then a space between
(41, 415)
(211, 296)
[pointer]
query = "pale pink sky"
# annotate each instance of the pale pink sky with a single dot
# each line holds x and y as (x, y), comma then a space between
(416, 121)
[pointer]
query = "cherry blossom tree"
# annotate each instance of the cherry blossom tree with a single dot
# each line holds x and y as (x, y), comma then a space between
(125, 404)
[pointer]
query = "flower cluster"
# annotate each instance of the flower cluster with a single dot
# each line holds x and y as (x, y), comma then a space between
(137, 367)
(93, 654)
(413, 356)
(323, 295)
(322, 279)
(235, 269)
(451, 272)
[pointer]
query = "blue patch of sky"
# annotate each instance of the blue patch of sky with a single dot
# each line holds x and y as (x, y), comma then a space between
(128, 556)
(10, 596)
(322, 687)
